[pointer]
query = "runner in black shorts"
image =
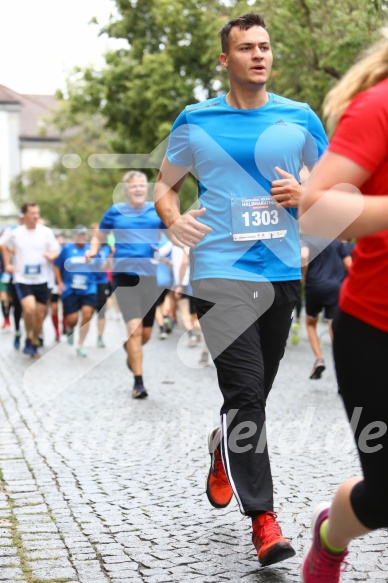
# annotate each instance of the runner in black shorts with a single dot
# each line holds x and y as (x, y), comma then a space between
(34, 247)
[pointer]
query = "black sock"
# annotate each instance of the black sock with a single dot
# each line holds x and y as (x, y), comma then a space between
(254, 513)
(17, 315)
(138, 379)
(5, 309)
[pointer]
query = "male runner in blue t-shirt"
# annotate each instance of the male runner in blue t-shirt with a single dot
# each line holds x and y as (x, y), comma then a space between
(246, 150)
(135, 226)
(77, 286)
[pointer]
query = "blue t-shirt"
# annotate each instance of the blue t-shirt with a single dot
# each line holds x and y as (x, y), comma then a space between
(136, 232)
(233, 153)
(78, 276)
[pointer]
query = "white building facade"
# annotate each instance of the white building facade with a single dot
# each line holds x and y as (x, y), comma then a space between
(26, 141)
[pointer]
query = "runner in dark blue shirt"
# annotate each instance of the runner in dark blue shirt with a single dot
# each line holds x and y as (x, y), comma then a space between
(326, 264)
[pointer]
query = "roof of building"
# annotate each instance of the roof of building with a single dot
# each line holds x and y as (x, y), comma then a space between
(8, 96)
(34, 110)
(32, 117)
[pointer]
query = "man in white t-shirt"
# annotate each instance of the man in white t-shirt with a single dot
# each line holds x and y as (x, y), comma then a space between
(34, 247)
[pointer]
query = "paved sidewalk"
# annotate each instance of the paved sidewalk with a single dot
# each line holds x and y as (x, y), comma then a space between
(98, 488)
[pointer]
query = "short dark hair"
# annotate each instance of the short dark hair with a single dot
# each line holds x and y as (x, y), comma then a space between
(244, 22)
(26, 206)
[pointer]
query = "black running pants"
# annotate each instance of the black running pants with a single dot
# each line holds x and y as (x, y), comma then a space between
(360, 354)
(246, 325)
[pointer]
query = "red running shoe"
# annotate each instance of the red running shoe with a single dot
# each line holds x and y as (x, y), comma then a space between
(320, 566)
(267, 537)
(218, 489)
(6, 323)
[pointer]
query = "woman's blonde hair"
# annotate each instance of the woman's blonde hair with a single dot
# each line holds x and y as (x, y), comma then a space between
(370, 70)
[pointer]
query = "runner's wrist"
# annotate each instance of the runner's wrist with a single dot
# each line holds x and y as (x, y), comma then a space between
(172, 219)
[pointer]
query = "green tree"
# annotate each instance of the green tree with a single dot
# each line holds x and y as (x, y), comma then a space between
(315, 42)
(171, 60)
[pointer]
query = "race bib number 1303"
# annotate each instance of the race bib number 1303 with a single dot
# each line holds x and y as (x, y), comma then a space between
(257, 218)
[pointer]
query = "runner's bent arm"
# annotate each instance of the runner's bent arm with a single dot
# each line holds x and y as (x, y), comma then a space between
(8, 267)
(287, 190)
(332, 205)
(51, 255)
(95, 245)
(186, 228)
(58, 279)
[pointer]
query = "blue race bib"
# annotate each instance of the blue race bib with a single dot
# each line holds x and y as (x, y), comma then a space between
(32, 270)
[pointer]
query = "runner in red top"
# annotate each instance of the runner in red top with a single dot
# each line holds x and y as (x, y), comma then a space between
(357, 160)
(362, 137)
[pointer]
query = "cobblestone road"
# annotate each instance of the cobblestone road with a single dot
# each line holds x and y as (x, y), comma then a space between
(97, 488)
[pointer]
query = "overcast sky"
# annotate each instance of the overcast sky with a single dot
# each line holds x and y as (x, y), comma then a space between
(41, 40)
